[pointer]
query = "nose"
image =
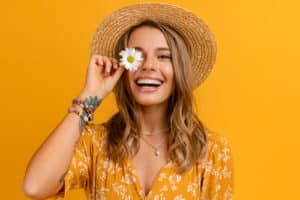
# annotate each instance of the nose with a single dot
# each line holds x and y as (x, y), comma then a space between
(149, 63)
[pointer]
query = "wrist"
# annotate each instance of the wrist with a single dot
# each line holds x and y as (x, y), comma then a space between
(84, 95)
(85, 109)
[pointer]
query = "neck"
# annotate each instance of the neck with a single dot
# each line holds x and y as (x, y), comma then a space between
(153, 119)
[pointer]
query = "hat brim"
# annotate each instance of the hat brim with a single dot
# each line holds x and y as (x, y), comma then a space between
(190, 26)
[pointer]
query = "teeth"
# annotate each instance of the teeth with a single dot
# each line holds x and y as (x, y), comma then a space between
(149, 81)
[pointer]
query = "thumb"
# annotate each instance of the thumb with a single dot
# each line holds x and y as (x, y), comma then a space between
(120, 70)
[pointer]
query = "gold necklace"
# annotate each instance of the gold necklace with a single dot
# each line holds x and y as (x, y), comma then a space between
(155, 148)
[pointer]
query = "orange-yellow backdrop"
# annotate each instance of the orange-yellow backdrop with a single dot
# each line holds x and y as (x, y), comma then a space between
(252, 96)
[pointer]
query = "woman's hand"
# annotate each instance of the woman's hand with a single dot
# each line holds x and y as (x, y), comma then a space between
(102, 75)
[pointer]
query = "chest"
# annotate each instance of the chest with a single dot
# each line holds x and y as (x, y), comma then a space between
(144, 177)
(148, 163)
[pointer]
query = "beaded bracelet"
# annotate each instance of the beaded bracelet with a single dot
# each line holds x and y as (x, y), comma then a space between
(74, 109)
(89, 105)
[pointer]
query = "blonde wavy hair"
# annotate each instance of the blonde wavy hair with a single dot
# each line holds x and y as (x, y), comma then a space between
(187, 141)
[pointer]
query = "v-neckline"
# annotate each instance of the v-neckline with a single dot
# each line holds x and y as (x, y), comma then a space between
(138, 184)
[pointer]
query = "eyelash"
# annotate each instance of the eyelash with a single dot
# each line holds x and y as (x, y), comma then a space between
(164, 57)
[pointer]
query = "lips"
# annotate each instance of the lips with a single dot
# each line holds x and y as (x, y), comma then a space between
(148, 82)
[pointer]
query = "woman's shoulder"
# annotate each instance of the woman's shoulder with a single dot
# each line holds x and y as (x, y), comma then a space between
(218, 146)
(218, 167)
(216, 139)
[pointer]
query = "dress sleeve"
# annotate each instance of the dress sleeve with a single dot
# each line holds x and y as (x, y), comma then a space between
(218, 170)
(79, 170)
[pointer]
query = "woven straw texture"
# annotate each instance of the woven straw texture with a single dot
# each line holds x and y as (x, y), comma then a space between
(189, 25)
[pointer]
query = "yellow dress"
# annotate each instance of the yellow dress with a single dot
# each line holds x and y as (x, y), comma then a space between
(103, 179)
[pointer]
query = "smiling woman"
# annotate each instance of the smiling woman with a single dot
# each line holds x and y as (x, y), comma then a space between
(153, 83)
(155, 147)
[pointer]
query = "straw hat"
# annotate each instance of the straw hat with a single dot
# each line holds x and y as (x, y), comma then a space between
(190, 26)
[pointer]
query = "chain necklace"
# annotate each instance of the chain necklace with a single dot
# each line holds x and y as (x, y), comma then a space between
(149, 133)
(155, 148)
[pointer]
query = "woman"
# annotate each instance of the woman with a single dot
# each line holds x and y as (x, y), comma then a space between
(155, 147)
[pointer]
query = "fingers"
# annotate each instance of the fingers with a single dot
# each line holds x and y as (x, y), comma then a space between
(115, 63)
(112, 68)
(96, 60)
(118, 73)
(117, 69)
(106, 65)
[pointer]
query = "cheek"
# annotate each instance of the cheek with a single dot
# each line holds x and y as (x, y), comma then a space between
(171, 77)
(169, 72)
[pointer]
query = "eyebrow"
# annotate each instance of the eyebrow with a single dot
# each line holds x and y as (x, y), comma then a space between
(157, 49)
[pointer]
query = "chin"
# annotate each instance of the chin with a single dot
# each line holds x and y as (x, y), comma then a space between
(150, 102)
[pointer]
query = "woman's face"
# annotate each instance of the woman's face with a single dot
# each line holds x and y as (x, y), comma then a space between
(153, 82)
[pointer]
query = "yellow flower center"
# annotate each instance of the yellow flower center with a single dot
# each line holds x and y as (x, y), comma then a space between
(130, 59)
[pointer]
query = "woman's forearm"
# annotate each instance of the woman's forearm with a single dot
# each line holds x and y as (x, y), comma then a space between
(46, 169)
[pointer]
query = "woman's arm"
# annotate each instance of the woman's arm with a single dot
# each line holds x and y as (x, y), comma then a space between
(47, 167)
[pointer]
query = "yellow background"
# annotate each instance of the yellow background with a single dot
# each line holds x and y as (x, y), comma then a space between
(252, 96)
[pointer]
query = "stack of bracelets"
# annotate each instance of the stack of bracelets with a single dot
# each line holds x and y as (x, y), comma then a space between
(86, 112)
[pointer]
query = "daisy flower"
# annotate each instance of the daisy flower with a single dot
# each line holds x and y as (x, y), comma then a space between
(131, 58)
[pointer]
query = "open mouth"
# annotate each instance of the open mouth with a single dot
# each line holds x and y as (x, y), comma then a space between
(149, 83)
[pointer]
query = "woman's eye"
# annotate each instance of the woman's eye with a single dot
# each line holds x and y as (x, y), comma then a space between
(164, 57)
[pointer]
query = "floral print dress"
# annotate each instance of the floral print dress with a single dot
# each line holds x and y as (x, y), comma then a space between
(102, 179)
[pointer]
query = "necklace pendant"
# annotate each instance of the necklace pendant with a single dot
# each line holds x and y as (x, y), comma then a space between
(156, 152)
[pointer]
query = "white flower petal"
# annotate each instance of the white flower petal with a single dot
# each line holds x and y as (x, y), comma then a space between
(137, 58)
